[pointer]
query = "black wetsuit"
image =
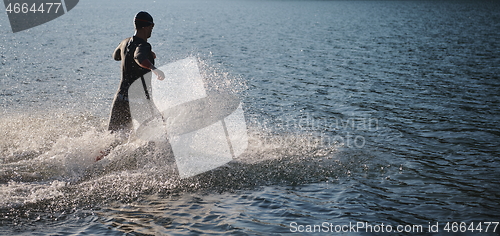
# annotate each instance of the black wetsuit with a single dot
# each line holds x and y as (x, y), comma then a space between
(131, 52)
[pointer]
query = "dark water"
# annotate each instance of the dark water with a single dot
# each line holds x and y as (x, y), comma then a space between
(371, 112)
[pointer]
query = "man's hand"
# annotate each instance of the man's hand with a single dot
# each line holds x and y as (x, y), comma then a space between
(148, 65)
(159, 74)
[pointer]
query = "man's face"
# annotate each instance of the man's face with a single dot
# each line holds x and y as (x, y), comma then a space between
(150, 30)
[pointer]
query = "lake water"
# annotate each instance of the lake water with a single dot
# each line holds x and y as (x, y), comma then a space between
(366, 113)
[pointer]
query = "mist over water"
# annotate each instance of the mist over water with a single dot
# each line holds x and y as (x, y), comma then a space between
(357, 111)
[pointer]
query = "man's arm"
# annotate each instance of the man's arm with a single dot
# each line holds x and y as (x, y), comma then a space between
(141, 57)
(117, 54)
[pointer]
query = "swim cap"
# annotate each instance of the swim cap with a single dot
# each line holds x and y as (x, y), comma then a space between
(143, 19)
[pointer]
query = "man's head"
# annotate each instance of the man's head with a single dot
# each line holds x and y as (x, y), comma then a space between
(143, 21)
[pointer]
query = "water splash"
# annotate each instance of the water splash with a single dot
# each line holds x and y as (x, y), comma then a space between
(47, 161)
(55, 168)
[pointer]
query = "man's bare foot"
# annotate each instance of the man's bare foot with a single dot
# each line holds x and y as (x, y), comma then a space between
(102, 154)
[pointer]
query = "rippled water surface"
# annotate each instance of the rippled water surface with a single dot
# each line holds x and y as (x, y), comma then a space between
(382, 112)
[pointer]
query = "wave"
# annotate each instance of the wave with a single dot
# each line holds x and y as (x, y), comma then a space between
(48, 162)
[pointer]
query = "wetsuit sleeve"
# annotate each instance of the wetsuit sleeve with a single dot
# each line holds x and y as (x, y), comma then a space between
(142, 54)
(117, 54)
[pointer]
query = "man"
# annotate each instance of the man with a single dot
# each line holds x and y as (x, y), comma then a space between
(137, 60)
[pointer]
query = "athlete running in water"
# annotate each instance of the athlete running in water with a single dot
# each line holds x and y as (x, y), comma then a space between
(137, 60)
